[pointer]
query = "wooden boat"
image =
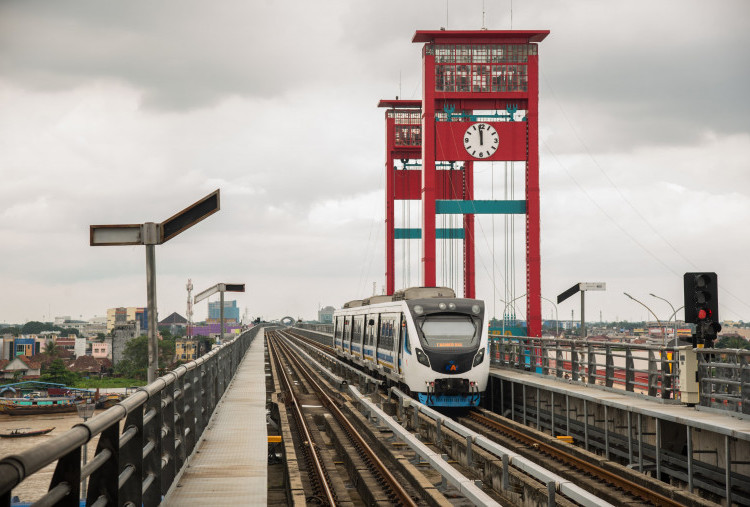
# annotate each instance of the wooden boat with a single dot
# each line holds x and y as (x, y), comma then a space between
(18, 433)
(37, 406)
(108, 400)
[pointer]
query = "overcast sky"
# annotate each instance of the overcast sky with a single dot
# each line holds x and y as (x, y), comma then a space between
(126, 112)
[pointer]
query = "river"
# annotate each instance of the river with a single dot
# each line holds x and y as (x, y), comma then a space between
(35, 486)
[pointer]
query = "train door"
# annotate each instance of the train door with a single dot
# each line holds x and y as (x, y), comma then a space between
(371, 336)
(404, 348)
(385, 349)
(338, 328)
(358, 326)
(347, 338)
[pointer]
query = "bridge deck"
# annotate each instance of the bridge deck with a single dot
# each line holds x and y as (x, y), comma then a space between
(719, 422)
(230, 465)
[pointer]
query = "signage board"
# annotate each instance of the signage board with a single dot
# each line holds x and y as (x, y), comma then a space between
(118, 234)
(592, 286)
(190, 216)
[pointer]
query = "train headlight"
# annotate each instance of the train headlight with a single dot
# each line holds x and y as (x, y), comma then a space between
(451, 306)
(479, 357)
(476, 309)
(442, 306)
(418, 310)
(422, 357)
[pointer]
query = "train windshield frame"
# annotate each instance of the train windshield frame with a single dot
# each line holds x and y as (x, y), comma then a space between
(449, 330)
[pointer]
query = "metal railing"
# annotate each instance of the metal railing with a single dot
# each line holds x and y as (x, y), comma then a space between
(647, 369)
(724, 376)
(161, 424)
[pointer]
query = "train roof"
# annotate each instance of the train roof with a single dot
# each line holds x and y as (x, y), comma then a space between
(404, 294)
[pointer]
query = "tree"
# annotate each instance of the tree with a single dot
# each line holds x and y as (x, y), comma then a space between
(135, 357)
(51, 349)
(57, 372)
(732, 342)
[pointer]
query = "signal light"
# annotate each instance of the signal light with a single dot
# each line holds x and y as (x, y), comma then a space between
(701, 297)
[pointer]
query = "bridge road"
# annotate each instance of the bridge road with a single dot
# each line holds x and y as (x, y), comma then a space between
(230, 464)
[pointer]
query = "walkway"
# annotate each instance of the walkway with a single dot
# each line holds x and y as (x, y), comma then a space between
(230, 464)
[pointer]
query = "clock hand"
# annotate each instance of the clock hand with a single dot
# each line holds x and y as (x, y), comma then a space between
(481, 137)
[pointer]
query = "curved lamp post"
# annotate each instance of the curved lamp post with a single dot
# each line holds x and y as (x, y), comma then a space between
(557, 321)
(506, 307)
(652, 313)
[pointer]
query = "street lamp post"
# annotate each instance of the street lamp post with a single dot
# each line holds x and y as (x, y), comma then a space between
(674, 314)
(647, 308)
(557, 321)
(506, 307)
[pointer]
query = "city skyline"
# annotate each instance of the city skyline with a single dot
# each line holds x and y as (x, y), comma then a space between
(127, 113)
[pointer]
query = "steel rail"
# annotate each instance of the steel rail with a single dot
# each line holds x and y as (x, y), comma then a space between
(613, 478)
(330, 404)
(291, 400)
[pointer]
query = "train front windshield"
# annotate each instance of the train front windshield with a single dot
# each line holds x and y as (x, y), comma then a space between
(449, 331)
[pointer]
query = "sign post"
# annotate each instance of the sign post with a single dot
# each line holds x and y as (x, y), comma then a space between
(151, 234)
(220, 288)
(583, 287)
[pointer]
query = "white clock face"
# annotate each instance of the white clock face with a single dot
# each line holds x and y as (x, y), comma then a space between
(481, 140)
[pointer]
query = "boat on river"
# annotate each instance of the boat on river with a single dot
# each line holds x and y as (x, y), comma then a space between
(37, 406)
(19, 433)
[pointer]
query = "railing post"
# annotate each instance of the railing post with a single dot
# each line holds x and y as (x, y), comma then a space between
(131, 457)
(105, 479)
(67, 476)
(180, 452)
(609, 371)
(705, 385)
(152, 425)
(745, 384)
(629, 373)
(169, 470)
(545, 357)
(574, 362)
(559, 360)
(591, 364)
(652, 374)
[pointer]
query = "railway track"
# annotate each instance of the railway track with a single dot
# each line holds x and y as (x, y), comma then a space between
(607, 484)
(613, 483)
(376, 482)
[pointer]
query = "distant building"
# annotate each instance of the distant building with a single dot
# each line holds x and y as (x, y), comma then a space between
(231, 312)
(25, 347)
(81, 346)
(101, 350)
(121, 335)
(21, 366)
(325, 315)
(122, 315)
(175, 322)
(186, 349)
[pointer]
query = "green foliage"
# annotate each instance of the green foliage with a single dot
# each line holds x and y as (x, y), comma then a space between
(57, 372)
(135, 362)
(36, 327)
(732, 342)
(109, 382)
(51, 349)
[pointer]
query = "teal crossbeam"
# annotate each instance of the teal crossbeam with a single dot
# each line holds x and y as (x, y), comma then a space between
(446, 207)
(439, 234)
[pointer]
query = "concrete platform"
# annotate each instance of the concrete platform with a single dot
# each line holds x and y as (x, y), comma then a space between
(230, 464)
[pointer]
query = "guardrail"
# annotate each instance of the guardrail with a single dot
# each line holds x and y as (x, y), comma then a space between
(724, 376)
(161, 424)
(649, 369)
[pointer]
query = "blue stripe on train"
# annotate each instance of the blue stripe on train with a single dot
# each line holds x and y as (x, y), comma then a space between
(469, 400)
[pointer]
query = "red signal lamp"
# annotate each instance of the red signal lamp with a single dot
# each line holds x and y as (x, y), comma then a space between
(702, 314)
